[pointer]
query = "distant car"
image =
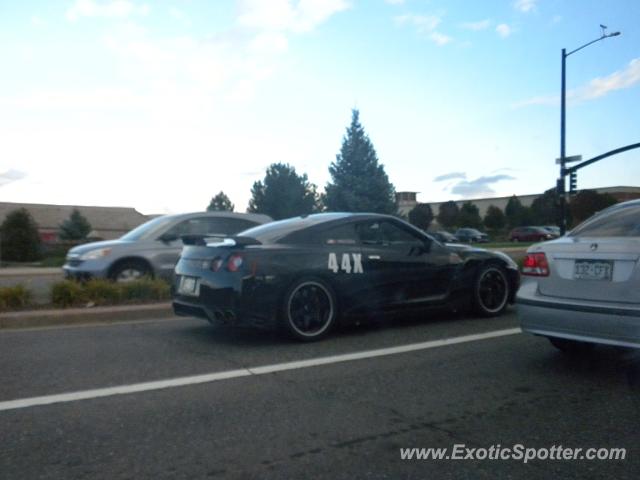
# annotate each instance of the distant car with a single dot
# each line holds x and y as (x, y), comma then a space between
(301, 275)
(152, 249)
(471, 235)
(444, 237)
(530, 234)
(582, 289)
(552, 229)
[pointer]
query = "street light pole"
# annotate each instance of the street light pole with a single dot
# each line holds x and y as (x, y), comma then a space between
(560, 188)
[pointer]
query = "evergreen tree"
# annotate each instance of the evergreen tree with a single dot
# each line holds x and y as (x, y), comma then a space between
(421, 216)
(515, 213)
(358, 182)
(448, 214)
(494, 219)
(283, 193)
(220, 203)
(19, 238)
(545, 209)
(469, 216)
(76, 227)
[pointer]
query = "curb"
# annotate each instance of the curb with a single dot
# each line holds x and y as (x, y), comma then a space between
(32, 272)
(78, 316)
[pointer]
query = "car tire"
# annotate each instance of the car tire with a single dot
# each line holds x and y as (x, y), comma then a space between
(130, 270)
(571, 347)
(515, 239)
(309, 309)
(491, 291)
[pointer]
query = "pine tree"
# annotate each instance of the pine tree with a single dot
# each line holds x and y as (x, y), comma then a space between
(448, 214)
(283, 193)
(421, 216)
(19, 238)
(494, 220)
(76, 227)
(358, 182)
(469, 216)
(220, 203)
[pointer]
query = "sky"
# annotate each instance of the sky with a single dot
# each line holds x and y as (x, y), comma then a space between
(159, 105)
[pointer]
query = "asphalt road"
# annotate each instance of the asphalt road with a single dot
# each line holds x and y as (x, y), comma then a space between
(347, 419)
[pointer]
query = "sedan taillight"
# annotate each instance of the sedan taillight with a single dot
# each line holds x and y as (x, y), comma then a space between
(234, 262)
(536, 265)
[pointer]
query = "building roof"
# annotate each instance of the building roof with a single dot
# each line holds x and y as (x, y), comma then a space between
(105, 219)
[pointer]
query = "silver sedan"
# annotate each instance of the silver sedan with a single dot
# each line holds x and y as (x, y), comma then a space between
(584, 288)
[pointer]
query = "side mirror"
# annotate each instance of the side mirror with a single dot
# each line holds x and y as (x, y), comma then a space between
(168, 237)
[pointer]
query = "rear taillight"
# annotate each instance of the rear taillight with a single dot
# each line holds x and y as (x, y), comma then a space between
(535, 264)
(234, 262)
(216, 263)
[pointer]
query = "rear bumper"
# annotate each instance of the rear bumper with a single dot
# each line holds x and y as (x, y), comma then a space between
(612, 324)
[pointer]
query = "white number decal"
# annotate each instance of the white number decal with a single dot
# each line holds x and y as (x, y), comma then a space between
(333, 263)
(357, 263)
(345, 263)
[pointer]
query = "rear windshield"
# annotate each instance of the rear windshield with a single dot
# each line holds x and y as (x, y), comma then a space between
(620, 222)
(147, 228)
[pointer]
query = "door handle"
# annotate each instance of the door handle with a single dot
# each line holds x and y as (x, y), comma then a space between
(374, 257)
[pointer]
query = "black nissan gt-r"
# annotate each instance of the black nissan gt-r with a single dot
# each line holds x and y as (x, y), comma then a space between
(304, 274)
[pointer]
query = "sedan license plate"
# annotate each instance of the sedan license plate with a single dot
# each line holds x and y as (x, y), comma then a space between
(593, 270)
(189, 286)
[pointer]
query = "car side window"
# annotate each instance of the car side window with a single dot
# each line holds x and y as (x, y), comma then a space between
(395, 235)
(385, 233)
(370, 233)
(340, 235)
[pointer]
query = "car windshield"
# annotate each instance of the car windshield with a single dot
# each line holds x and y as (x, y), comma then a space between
(274, 231)
(146, 229)
(619, 222)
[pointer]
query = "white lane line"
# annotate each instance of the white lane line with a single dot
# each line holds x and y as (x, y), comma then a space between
(245, 372)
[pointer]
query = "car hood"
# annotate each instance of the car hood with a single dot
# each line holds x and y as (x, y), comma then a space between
(87, 247)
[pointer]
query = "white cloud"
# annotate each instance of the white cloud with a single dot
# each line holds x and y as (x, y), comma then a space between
(395, 2)
(440, 39)
(422, 23)
(288, 15)
(599, 87)
(504, 30)
(596, 88)
(525, 6)
(10, 176)
(425, 25)
(477, 26)
(109, 9)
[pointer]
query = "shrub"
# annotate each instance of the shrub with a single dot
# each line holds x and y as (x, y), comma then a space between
(103, 292)
(67, 293)
(145, 289)
(17, 296)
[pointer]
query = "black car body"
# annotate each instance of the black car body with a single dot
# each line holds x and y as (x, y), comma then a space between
(304, 273)
(471, 235)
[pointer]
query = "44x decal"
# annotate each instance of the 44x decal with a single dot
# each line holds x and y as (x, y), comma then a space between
(351, 263)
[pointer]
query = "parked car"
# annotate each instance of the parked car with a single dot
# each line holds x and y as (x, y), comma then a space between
(471, 235)
(303, 274)
(552, 229)
(530, 234)
(444, 237)
(153, 247)
(582, 289)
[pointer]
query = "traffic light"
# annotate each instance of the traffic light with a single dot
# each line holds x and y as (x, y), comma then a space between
(573, 182)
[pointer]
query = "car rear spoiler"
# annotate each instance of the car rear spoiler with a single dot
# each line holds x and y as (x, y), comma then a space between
(218, 241)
